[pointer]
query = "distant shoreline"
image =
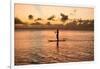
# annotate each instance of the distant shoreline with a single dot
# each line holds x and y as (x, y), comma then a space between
(16, 29)
(52, 27)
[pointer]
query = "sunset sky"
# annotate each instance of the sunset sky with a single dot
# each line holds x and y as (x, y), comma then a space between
(23, 10)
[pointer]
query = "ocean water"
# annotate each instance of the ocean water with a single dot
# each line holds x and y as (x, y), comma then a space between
(33, 47)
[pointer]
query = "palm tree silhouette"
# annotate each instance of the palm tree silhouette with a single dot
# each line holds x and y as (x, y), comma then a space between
(51, 17)
(64, 17)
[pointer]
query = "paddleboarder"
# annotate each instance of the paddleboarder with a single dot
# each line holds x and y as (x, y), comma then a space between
(57, 37)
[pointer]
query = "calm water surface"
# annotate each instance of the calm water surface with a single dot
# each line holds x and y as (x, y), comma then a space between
(33, 47)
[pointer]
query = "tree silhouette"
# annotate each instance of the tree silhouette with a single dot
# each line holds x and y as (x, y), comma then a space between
(38, 19)
(83, 25)
(48, 23)
(30, 17)
(64, 17)
(51, 17)
(18, 21)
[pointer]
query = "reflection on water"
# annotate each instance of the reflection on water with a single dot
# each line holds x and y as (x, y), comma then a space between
(32, 46)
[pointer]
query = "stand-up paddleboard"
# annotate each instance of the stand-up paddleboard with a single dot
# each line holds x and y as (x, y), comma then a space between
(56, 40)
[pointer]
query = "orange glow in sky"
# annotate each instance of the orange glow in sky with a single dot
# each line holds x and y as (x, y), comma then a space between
(23, 10)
